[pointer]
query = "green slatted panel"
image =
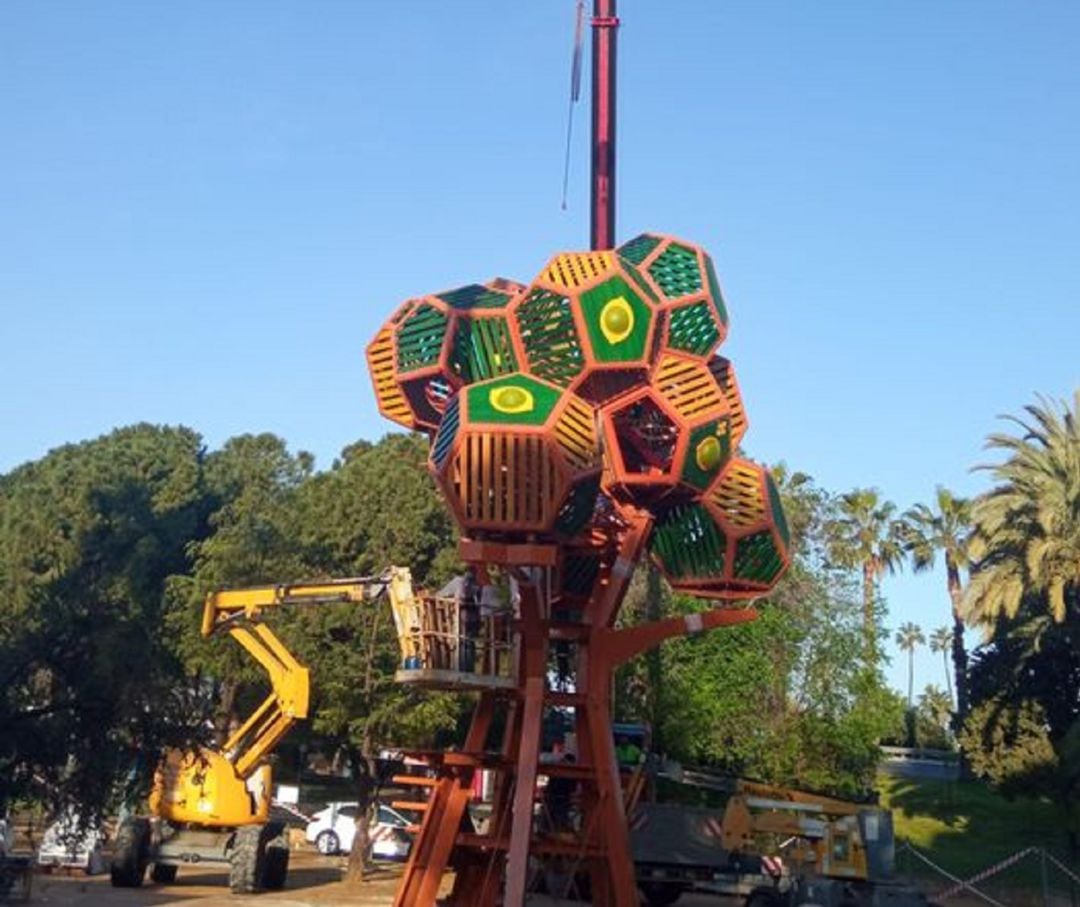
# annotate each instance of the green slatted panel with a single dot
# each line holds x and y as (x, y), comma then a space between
(779, 519)
(579, 506)
(676, 271)
(444, 438)
(475, 296)
(639, 248)
(420, 338)
(690, 544)
(714, 289)
(552, 347)
(482, 349)
(756, 558)
(693, 329)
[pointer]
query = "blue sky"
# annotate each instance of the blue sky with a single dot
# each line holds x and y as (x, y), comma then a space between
(206, 209)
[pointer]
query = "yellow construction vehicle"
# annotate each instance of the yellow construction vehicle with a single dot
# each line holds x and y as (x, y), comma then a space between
(836, 852)
(214, 805)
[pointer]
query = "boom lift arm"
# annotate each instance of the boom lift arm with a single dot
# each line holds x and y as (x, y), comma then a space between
(237, 612)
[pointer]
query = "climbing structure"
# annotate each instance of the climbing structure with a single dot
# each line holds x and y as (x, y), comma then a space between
(578, 424)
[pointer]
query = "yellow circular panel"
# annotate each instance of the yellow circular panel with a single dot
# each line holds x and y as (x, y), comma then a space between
(708, 453)
(616, 320)
(511, 399)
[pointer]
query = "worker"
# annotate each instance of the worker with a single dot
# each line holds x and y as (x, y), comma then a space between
(468, 602)
(559, 797)
(627, 753)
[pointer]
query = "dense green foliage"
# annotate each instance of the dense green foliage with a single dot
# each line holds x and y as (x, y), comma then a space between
(1023, 731)
(793, 698)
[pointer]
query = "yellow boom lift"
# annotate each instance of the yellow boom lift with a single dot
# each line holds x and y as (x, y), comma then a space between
(214, 805)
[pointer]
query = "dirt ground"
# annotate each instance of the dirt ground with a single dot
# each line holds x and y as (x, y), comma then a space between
(314, 881)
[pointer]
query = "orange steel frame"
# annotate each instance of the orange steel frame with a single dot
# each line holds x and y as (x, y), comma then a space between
(494, 867)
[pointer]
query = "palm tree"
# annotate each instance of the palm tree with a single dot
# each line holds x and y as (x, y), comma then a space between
(946, 528)
(941, 640)
(866, 536)
(909, 637)
(937, 705)
(1027, 528)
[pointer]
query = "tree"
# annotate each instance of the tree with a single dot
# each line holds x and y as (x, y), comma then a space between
(88, 686)
(933, 717)
(788, 699)
(941, 640)
(1027, 528)
(865, 536)
(251, 486)
(947, 529)
(909, 637)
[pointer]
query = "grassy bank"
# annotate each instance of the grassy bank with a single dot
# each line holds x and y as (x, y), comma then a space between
(964, 826)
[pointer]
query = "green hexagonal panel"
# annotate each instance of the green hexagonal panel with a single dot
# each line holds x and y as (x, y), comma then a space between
(777, 508)
(692, 328)
(513, 400)
(444, 438)
(714, 290)
(709, 449)
(482, 349)
(545, 321)
(420, 338)
(757, 559)
(639, 248)
(689, 544)
(475, 296)
(676, 271)
(617, 320)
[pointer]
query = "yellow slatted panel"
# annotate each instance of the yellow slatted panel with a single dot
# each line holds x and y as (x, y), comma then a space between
(690, 388)
(392, 402)
(577, 269)
(576, 434)
(739, 495)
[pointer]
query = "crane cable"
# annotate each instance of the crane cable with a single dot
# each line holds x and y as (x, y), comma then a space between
(575, 92)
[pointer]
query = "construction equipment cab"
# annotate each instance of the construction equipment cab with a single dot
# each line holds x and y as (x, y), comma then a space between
(213, 805)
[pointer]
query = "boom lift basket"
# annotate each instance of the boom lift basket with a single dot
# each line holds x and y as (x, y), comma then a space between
(440, 649)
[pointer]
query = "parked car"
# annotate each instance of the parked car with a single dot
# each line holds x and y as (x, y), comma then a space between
(66, 844)
(332, 830)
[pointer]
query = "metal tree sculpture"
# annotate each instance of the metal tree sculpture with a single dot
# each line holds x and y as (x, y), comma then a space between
(577, 423)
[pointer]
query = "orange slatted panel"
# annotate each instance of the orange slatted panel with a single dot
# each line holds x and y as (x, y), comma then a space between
(392, 402)
(690, 388)
(576, 434)
(738, 494)
(576, 269)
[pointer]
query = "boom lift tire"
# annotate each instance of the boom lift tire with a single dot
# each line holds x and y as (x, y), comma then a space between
(130, 854)
(163, 873)
(248, 859)
(276, 863)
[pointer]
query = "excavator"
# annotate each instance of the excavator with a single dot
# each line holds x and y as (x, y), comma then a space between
(213, 805)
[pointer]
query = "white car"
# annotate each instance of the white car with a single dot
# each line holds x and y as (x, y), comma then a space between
(332, 830)
(64, 844)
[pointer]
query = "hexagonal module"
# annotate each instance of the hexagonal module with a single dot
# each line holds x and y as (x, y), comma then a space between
(516, 456)
(730, 543)
(588, 322)
(670, 437)
(683, 281)
(434, 344)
